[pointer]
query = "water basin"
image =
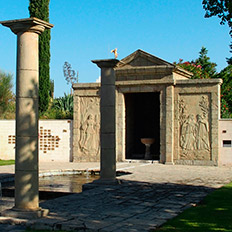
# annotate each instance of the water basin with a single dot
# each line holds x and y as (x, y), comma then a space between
(65, 183)
(54, 186)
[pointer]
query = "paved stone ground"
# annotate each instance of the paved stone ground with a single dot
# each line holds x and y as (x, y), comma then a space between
(144, 200)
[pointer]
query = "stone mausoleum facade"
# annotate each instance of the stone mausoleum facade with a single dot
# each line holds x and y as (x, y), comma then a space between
(154, 99)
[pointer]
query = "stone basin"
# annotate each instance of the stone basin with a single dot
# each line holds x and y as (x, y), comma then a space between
(147, 140)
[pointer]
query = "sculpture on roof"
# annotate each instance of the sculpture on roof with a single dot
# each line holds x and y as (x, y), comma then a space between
(115, 51)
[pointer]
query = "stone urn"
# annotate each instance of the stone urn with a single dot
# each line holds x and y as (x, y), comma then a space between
(147, 142)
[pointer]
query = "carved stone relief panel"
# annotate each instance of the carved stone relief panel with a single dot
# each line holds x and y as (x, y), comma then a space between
(194, 129)
(89, 129)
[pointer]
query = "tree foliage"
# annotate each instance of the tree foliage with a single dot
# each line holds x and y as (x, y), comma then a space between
(222, 9)
(208, 68)
(202, 67)
(51, 90)
(7, 102)
(64, 103)
(60, 108)
(226, 91)
(40, 9)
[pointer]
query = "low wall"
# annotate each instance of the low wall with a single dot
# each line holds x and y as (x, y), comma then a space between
(55, 140)
(225, 143)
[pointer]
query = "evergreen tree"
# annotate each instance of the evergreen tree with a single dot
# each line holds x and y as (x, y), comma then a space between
(40, 9)
(202, 67)
(207, 67)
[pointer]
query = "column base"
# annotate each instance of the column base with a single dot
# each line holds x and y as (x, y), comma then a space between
(25, 214)
(114, 181)
(101, 182)
(169, 163)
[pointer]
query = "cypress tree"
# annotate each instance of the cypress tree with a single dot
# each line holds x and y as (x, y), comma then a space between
(40, 9)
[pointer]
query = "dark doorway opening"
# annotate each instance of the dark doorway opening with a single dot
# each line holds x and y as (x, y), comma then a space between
(142, 121)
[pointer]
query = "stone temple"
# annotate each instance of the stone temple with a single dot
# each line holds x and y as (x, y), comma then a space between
(157, 101)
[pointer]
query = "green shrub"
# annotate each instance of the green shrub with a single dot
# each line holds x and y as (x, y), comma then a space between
(60, 108)
(7, 99)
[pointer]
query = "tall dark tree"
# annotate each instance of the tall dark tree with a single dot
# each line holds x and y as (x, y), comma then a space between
(222, 9)
(40, 9)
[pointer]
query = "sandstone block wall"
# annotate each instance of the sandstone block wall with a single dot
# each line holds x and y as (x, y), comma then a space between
(86, 131)
(196, 122)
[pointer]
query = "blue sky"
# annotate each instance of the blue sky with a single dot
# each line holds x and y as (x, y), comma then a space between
(88, 29)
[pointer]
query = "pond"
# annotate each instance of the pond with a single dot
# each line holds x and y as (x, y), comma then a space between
(65, 183)
(54, 186)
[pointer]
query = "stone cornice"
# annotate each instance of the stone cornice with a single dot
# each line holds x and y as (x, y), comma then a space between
(86, 86)
(27, 25)
(183, 72)
(106, 63)
(145, 70)
(199, 81)
(145, 82)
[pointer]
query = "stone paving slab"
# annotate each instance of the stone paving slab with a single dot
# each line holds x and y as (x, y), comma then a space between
(145, 199)
(128, 215)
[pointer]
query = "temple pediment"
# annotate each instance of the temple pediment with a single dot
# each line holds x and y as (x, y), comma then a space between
(141, 65)
(140, 58)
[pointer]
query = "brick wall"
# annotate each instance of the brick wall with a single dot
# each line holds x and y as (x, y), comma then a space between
(55, 140)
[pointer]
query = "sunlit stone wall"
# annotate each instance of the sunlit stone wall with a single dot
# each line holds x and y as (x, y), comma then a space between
(55, 139)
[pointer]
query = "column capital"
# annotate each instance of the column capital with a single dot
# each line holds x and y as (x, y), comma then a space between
(106, 63)
(27, 25)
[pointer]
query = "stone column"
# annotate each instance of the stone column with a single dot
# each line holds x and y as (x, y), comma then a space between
(27, 82)
(169, 124)
(107, 111)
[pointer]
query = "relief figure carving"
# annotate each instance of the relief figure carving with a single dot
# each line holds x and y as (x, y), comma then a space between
(89, 129)
(194, 140)
(202, 133)
(188, 133)
(88, 133)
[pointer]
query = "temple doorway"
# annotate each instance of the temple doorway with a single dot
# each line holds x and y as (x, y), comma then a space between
(142, 121)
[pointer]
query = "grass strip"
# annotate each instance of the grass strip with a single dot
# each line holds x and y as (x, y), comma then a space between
(6, 162)
(214, 213)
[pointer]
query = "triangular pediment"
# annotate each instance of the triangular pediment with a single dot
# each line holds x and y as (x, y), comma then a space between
(140, 58)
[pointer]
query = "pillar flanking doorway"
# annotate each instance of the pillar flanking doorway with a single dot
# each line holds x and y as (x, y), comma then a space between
(142, 121)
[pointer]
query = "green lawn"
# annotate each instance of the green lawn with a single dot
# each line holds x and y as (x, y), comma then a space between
(213, 214)
(6, 162)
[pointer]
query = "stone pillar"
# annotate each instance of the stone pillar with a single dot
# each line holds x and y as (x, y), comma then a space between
(27, 83)
(169, 124)
(107, 111)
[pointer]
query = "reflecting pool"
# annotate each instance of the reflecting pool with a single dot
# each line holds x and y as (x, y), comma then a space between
(65, 183)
